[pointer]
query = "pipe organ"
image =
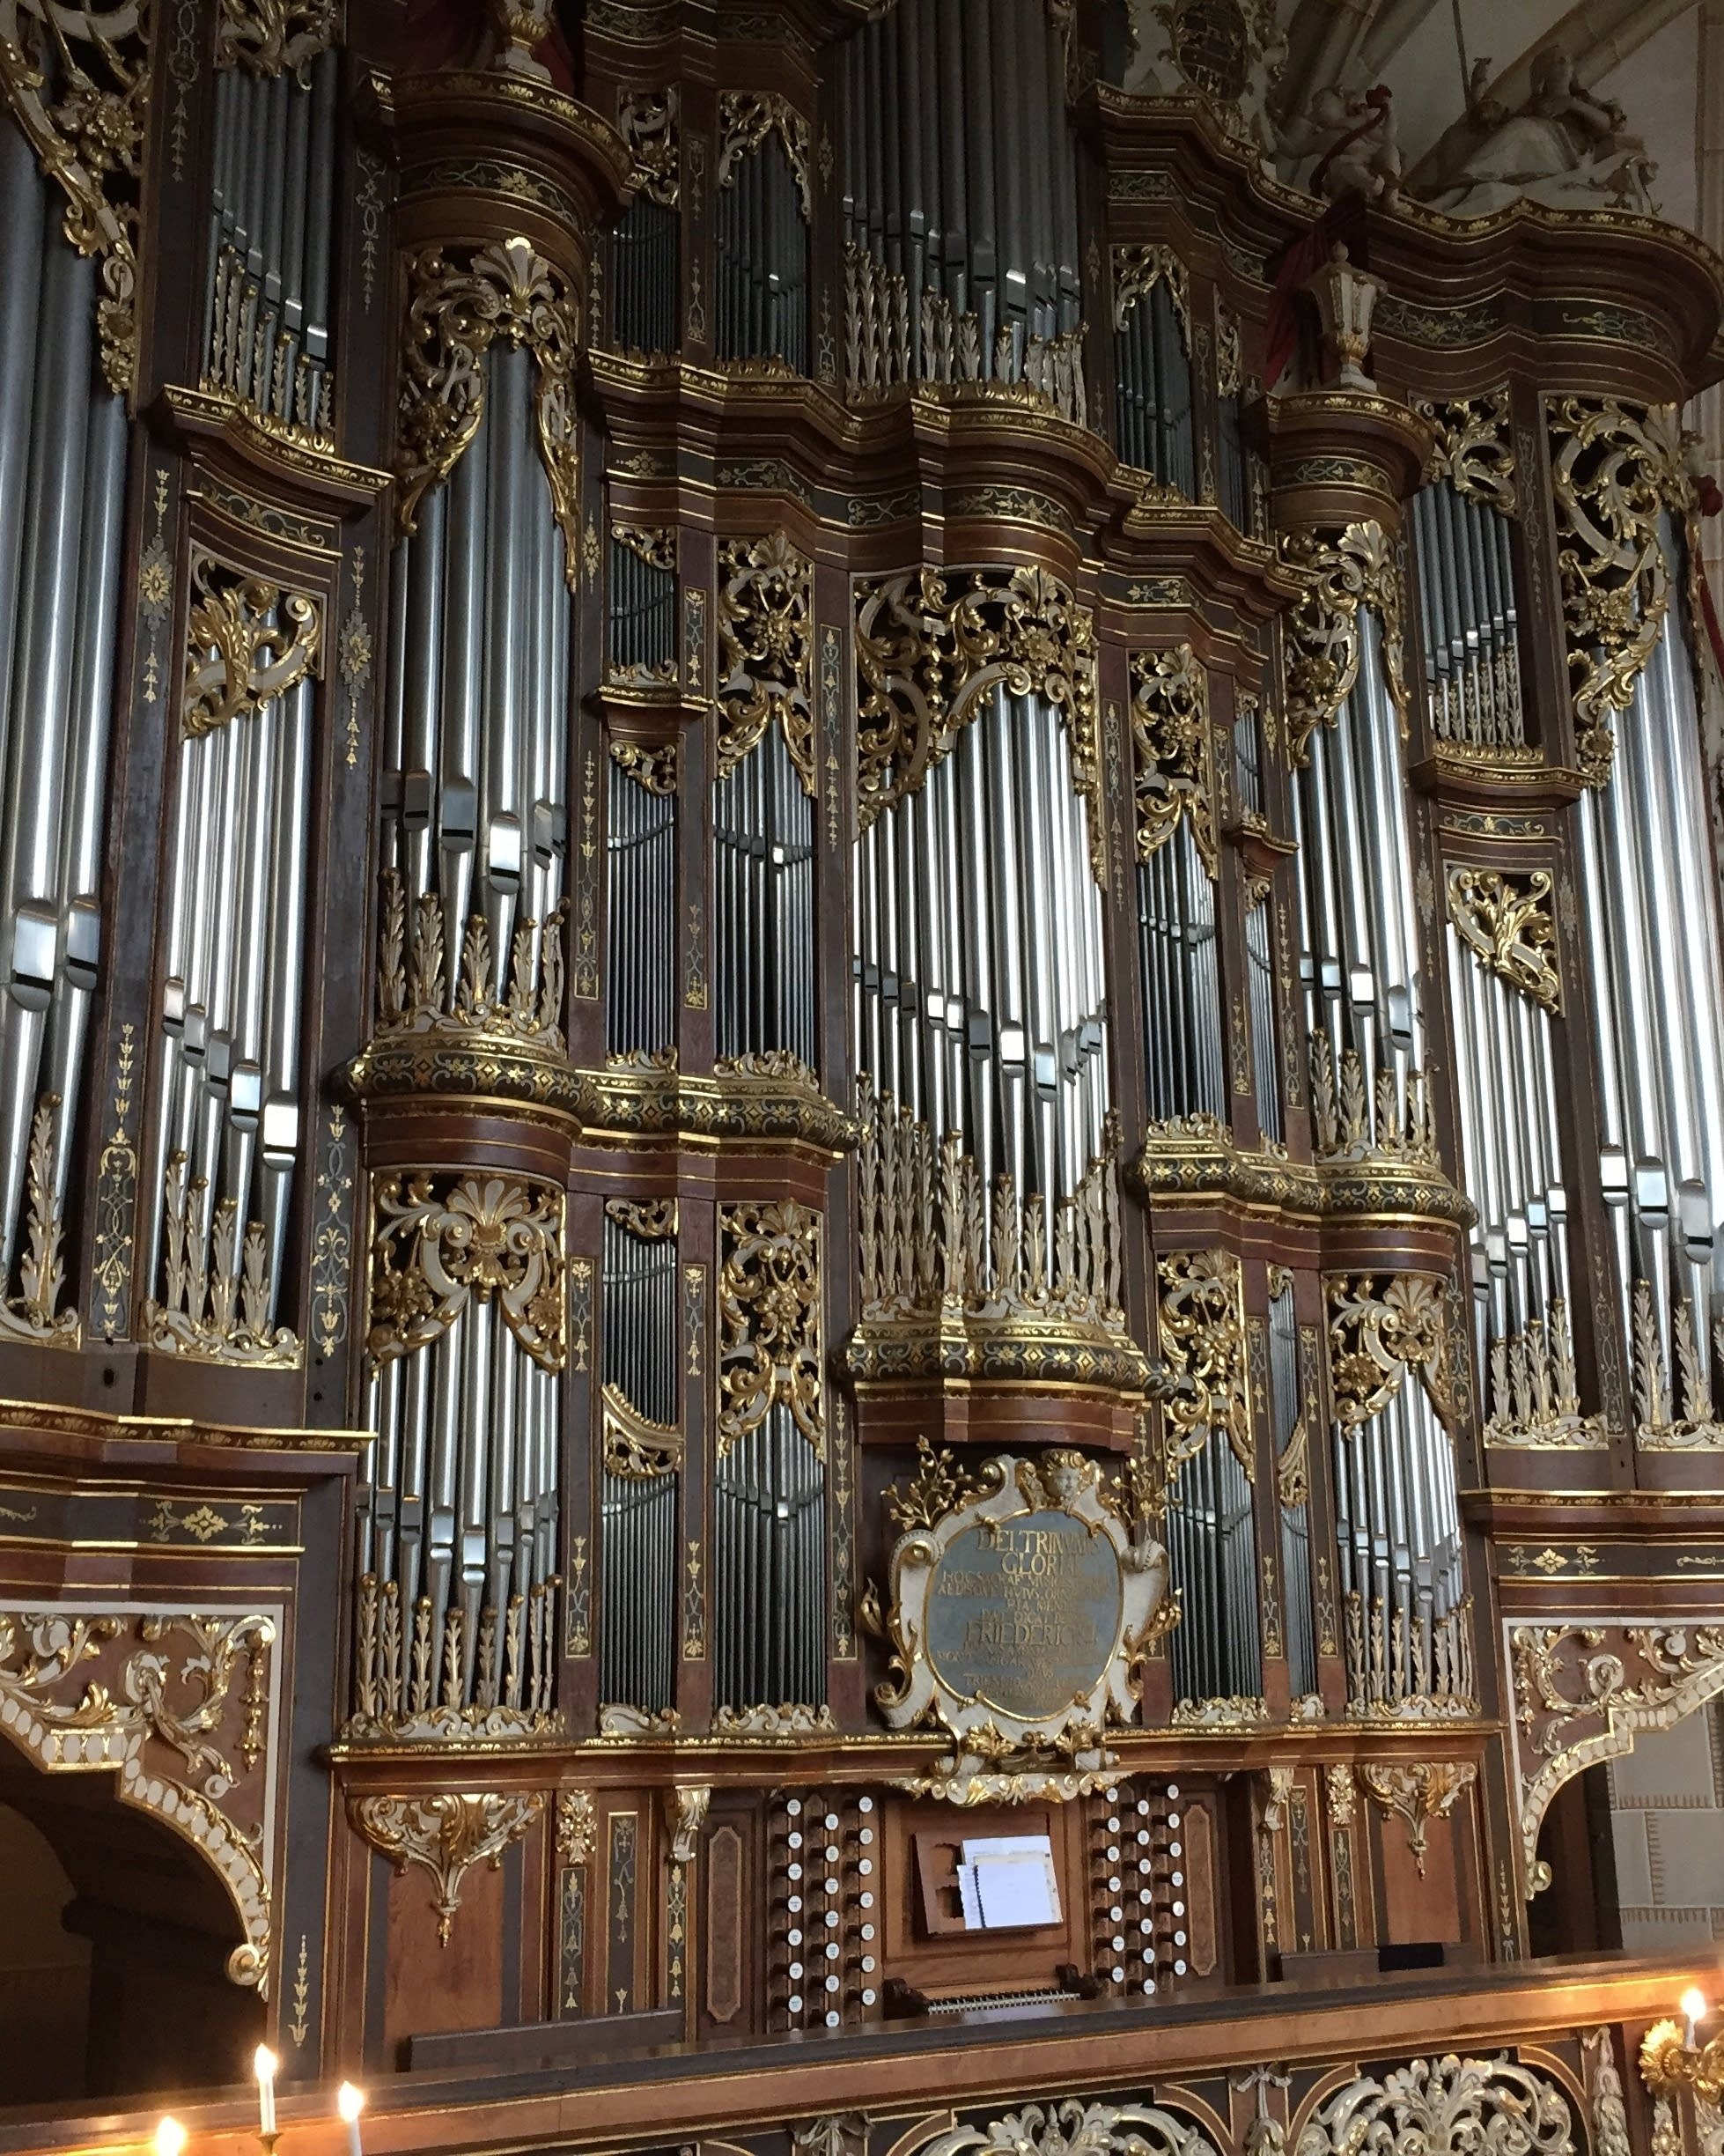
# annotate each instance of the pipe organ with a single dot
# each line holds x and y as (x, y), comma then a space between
(864, 1129)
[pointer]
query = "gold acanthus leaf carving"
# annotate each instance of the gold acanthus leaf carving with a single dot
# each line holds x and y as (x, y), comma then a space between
(446, 1835)
(1377, 1332)
(655, 545)
(34, 1312)
(1473, 448)
(745, 118)
(1323, 644)
(1505, 921)
(1138, 270)
(770, 1312)
(766, 651)
(933, 645)
(457, 308)
(1443, 2106)
(86, 1690)
(1176, 775)
(1615, 472)
(273, 37)
(77, 80)
(937, 1488)
(1071, 2127)
(1202, 1329)
(1418, 1795)
(652, 1219)
(434, 1250)
(647, 122)
(650, 764)
(216, 1289)
(247, 640)
(635, 1448)
(416, 994)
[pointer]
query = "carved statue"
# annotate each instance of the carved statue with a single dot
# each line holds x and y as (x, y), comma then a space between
(1565, 148)
(1344, 144)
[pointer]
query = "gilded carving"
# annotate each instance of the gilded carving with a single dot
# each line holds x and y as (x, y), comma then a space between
(1473, 448)
(686, 1805)
(1202, 1330)
(577, 1826)
(1138, 270)
(634, 1446)
(456, 310)
(1505, 921)
(766, 651)
(1583, 1693)
(647, 122)
(1615, 472)
(769, 1296)
(1447, 2107)
(78, 83)
(1534, 1388)
(33, 1313)
(177, 1705)
(247, 640)
(273, 37)
(745, 118)
(1004, 1719)
(1074, 2128)
(1358, 569)
(111, 1272)
(446, 1835)
(790, 1719)
(950, 1270)
(433, 1250)
(217, 1288)
(1176, 764)
(411, 1674)
(417, 994)
(1661, 1425)
(1418, 1795)
(1378, 1331)
(933, 645)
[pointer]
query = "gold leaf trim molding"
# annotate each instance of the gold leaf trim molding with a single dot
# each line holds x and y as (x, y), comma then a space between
(84, 1690)
(446, 1835)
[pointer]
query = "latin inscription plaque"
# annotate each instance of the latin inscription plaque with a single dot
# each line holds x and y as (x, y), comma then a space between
(1025, 1614)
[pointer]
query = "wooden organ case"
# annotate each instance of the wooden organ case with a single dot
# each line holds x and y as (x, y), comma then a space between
(849, 1184)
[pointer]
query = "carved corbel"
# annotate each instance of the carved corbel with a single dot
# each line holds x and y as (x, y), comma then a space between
(685, 1814)
(1419, 1795)
(446, 1835)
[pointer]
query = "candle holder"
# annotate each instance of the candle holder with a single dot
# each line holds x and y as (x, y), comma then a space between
(1672, 2059)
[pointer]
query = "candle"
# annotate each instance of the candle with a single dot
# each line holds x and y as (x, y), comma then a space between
(264, 2062)
(350, 2101)
(1694, 2012)
(170, 2138)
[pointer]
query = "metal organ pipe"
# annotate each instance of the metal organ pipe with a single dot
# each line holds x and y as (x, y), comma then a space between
(465, 1471)
(62, 486)
(960, 200)
(980, 978)
(1645, 855)
(272, 208)
(763, 943)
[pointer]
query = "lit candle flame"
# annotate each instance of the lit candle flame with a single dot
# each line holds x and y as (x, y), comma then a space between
(1694, 2008)
(170, 2138)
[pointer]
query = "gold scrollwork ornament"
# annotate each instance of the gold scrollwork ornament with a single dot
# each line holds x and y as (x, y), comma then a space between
(1508, 927)
(457, 309)
(1323, 644)
(489, 1236)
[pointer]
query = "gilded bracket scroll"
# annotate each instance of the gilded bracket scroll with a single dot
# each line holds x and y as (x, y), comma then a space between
(446, 1835)
(1505, 922)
